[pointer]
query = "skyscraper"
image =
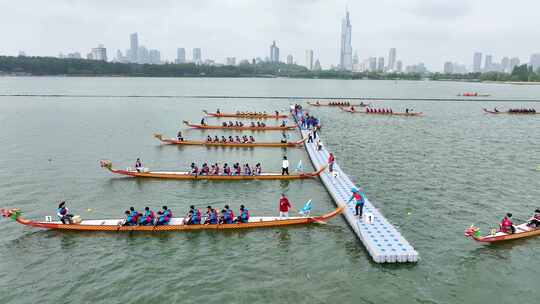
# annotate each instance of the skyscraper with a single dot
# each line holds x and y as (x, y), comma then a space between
(399, 66)
(317, 65)
(274, 52)
(289, 59)
(505, 65)
(154, 57)
(309, 59)
(180, 55)
(392, 59)
(448, 67)
(197, 56)
(99, 53)
(133, 47)
(535, 61)
(380, 64)
(345, 56)
(477, 62)
(372, 64)
(487, 64)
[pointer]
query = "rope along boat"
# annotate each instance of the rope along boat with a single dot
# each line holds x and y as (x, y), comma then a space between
(522, 231)
(245, 115)
(145, 173)
(244, 128)
(176, 224)
(172, 141)
(380, 113)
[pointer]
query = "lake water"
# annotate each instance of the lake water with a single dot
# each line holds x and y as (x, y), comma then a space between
(431, 176)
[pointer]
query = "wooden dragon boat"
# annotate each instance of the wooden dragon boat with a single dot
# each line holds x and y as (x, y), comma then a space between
(315, 104)
(522, 231)
(245, 115)
(176, 224)
(183, 175)
(236, 128)
(511, 113)
(377, 113)
(172, 141)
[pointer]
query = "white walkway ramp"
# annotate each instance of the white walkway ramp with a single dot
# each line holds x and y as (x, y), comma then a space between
(381, 239)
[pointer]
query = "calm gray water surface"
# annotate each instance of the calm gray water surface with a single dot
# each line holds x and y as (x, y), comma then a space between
(431, 176)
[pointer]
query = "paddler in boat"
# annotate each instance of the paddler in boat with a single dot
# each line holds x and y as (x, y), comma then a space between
(203, 122)
(179, 136)
(165, 216)
(62, 213)
(237, 139)
(244, 215)
(277, 113)
(211, 216)
(352, 108)
(251, 139)
(147, 218)
(230, 213)
(224, 218)
(534, 221)
(237, 169)
(193, 217)
(506, 225)
(135, 214)
(284, 206)
(226, 170)
(218, 111)
(129, 219)
(216, 139)
(495, 110)
(253, 124)
(205, 170)
(258, 169)
(209, 138)
(283, 123)
(216, 169)
(247, 170)
(223, 139)
(194, 169)
(283, 138)
(138, 165)
(359, 199)
(231, 139)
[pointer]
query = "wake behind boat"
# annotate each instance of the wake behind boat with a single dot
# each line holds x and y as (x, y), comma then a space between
(174, 224)
(226, 143)
(240, 128)
(198, 175)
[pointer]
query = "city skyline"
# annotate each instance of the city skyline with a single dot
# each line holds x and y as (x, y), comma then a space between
(432, 32)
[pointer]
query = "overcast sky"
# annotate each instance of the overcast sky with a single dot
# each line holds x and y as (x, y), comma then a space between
(429, 31)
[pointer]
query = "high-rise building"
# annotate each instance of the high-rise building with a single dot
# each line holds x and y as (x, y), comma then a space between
(392, 59)
(197, 56)
(230, 61)
(309, 59)
(180, 55)
(488, 63)
(345, 56)
(99, 53)
(505, 65)
(289, 59)
(274, 52)
(399, 66)
(372, 64)
(477, 62)
(535, 61)
(448, 68)
(514, 62)
(143, 56)
(154, 57)
(317, 65)
(355, 59)
(380, 64)
(133, 47)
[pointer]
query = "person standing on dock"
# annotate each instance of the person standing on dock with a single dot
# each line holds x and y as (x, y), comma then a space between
(331, 160)
(358, 196)
(285, 166)
(284, 206)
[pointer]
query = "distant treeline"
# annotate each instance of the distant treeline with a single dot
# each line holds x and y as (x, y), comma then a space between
(41, 66)
(522, 73)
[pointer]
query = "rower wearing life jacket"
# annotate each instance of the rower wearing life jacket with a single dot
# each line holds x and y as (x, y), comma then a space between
(62, 213)
(193, 216)
(135, 215)
(138, 165)
(147, 218)
(211, 216)
(237, 139)
(244, 215)
(251, 139)
(223, 139)
(230, 213)
(165, 216)
(534, 221)
(205, 170)
(179, 136)
(258, 169)
(208, 138)
(216, 169)
(237, 169)
(506, 225)
(226, 169)
(128, 220)
(247, 169)
(194, 169)
(231, 140)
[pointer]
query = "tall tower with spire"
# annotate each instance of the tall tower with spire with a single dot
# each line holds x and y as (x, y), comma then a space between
(345, 55)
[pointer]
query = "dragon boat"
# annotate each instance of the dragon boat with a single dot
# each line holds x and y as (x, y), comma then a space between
(381, 113)
(183, 175)
(522, 231)
(510, 112)
(176, 224)
(172, 141)
(245, 115)
(318, 104)
(237, 128)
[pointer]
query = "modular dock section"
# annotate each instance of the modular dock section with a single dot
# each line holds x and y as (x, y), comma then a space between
(381, 239)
